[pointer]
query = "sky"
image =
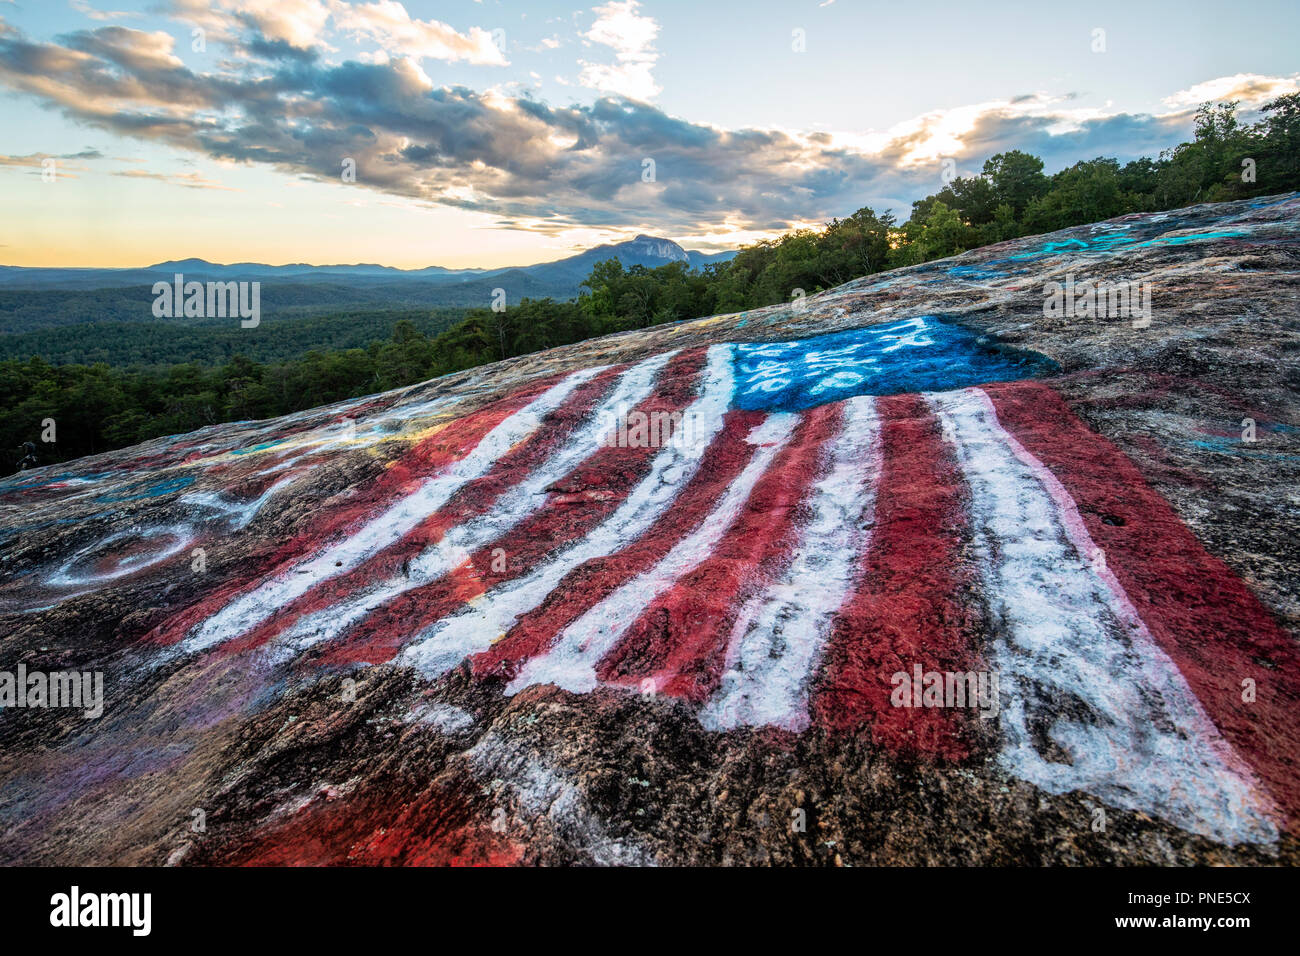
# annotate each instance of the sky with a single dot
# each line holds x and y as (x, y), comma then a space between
(505, 132)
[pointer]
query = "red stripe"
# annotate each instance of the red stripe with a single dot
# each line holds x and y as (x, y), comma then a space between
(1198, 610)
(591, 582)
(681, 639)
(439, 826)
(472, 500)
(334, 519)
(578, 503)
(915, 603)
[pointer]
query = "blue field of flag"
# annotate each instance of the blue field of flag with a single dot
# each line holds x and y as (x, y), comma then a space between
(921, 354)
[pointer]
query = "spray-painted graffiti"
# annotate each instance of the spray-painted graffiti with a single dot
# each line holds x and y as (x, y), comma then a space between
(778, 542)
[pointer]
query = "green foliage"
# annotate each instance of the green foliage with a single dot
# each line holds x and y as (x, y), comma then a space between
(1016, 179)
(1086, 192)
(163, 342)
(1278, 160)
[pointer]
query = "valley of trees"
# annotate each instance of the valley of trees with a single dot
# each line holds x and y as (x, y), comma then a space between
(108, 404)
(167, 342)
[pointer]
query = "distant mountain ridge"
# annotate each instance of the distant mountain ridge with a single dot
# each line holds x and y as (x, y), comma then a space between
(559, 279)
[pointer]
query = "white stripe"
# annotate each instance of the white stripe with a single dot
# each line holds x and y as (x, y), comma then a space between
(778, 637)
(249, 610)
(512, 507)
(443, 646)
(1071, 653)
(571, 661)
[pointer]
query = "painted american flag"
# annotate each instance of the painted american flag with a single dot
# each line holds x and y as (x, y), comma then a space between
(805, 520)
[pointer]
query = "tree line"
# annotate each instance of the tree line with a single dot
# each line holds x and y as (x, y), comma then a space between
(100, 406)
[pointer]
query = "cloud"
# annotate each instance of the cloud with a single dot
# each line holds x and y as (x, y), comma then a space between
(187, 180)
(632, 38)
(297, 23)
(85, 9)
(64, 168)
(1251, 89)
(388, 24)
(286, 26)
(532, 165)
(35, 159)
